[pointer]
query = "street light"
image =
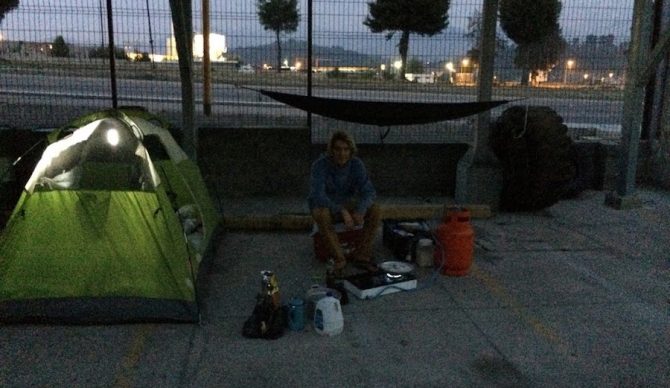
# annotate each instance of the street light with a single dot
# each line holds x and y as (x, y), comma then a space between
(569, 64)
(382, 67)
(397, 64)
(449, 66)
(465, 62)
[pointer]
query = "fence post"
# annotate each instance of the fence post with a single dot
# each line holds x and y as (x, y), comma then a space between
(112, 59)
(478, 176)
(633, 108)
(183, 27)
(309, 61)
(206, 65)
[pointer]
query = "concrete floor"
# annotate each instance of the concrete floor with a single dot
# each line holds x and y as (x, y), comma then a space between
(575, 295)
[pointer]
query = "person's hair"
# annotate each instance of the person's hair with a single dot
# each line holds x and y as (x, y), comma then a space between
(341, 136)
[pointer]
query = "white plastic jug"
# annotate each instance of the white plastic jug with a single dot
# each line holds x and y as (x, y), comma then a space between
(424, 252)
(328, 319)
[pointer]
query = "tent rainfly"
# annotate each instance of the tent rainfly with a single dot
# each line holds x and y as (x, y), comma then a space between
(112, 226)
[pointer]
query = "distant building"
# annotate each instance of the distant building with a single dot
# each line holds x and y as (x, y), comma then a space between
(23, 49)
(465, 79)
(342, 69)
(17, 49)
(217, 48)
(422, 78)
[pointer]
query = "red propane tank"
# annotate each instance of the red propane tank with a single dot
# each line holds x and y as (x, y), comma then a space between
(455, 242)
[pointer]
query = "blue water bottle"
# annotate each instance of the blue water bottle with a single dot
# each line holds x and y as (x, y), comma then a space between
(296, 314)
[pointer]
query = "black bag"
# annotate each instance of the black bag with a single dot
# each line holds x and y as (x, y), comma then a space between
(266, 321)
(402, 236)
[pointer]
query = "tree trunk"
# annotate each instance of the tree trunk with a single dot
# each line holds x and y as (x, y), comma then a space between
(278, 52)
(403, 46)
(524, 76)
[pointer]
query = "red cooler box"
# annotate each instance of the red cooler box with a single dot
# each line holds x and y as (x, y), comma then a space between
(348, 240)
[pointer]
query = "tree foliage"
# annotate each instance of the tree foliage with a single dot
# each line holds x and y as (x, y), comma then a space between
(528, 21)
(6, 6)
(533, 26)
(423, 17)
(474, 35)
(142, 57)
(278, 16)
(598, 53)
(415, 66)
(103, 52)
(59, 48)
(540, 55)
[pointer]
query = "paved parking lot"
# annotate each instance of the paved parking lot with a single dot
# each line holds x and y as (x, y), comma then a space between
(575, 295)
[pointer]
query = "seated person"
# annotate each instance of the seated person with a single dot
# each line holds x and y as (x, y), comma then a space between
(341, 191)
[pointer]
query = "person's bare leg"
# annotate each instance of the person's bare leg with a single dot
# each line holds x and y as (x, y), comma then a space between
(372, 220)
(324, 221)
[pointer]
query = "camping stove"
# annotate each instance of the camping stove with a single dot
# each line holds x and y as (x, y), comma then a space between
(393, 276)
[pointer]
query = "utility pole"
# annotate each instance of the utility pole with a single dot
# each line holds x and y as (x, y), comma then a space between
(183, 25)
(112, 59)
(633, 108)
(309, 59)
(206, 65)
(102, 25)
(478, 168)
(151, 37)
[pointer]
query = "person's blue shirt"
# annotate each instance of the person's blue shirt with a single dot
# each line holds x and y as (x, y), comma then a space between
(332, 186)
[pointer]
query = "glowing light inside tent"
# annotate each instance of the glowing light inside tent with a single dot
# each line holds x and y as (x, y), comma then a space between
(113, 137)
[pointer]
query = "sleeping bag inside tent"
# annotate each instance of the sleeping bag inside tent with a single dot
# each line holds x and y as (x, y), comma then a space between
(112, 226)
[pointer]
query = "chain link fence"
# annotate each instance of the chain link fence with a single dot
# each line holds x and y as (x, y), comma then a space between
(54, 61)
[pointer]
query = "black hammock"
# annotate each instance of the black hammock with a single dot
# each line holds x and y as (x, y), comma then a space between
(382, 113)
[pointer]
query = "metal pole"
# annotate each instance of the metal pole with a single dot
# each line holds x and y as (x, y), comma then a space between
(206, 68)
(657, 79)
(182, 19)
(112, 60)
(309, 59)
(151, 37)
(487, 49)
(479, 153)
(633, 102)
(102, 26)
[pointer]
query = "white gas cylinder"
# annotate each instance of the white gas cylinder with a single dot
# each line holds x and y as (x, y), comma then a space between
(328, 319)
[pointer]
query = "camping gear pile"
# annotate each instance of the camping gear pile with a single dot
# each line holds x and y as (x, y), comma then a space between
(112, 226)
(402, 237)
(267, 319)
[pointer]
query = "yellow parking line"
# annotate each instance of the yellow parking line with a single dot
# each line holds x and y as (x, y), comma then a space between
(130, 360)
(499, 290)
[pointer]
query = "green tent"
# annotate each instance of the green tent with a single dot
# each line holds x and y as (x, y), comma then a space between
(112, 226)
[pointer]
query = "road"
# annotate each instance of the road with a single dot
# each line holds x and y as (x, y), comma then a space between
(230, 100)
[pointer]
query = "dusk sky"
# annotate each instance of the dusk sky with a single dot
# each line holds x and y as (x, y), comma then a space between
(336, 22)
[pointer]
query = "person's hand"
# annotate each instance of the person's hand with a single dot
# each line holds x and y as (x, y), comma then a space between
(348, 220)
(358, 218)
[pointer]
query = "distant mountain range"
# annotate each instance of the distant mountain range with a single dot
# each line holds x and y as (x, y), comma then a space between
(296, 50)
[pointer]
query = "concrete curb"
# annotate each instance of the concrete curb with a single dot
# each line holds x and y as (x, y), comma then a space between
(303, 222)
